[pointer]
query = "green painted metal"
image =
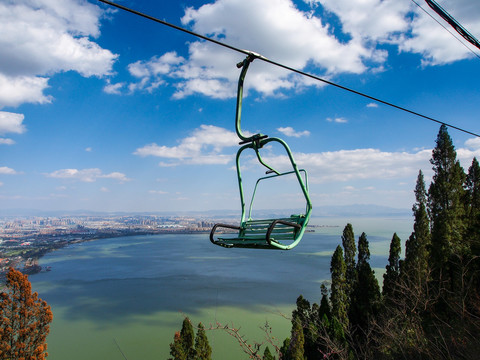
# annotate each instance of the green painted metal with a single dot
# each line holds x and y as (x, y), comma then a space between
(280, 234)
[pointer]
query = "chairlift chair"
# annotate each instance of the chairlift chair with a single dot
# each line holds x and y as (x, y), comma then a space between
(277, 233)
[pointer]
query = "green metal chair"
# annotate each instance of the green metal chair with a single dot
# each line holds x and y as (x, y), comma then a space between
(279, 233)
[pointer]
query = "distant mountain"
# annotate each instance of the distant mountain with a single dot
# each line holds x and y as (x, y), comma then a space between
(356, 210)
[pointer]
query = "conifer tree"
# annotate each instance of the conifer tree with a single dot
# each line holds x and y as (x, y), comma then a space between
(176, 348)
(267, 355)
(445, 204)
(203, 351)
(297, 341)
(24, 320)
(338, 294)
(392, 274)
(350, 250)
(417, 246)
(365, 302)
(472, 205)
(187, 336)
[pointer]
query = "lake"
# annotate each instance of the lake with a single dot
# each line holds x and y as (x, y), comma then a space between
(130, 294)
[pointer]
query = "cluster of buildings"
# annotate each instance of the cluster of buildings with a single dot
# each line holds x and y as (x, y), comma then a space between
(23, 240)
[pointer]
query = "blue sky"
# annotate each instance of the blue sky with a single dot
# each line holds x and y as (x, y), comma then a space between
(103, 110)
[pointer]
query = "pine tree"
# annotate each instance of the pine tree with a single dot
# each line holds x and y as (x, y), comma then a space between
(187, 336)
(366, 293)
(445, 204)
(24, 320)
(203, 351)
(392, 275)
(415, 266)
(472, 206)
(338, 293)
(350, 249)
(176, 348)
(267, 355)
(297, 340)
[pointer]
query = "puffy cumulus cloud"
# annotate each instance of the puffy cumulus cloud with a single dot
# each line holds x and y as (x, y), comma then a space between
(11, 123)
(86, 175)
(7, 171)
(289, 131)
(348, 165)
(279, 30)
(150, 73)
(258, 26)
(473, 143)
(15, 90)
(404, 24)
(204, 146)
(4, 141)
(43, 37)
(435, 44)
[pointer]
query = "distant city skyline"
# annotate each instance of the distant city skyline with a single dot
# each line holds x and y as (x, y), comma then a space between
(102, 110)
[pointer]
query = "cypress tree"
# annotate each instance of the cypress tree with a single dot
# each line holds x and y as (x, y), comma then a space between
(297, 342)
(348, 243)
(392, 274)
(472, 206)
(203, 351)
(187, 338)
(338, 294)
(417, 246)
(366, 293)
(445, 204)
(176, 348)
(267, 355)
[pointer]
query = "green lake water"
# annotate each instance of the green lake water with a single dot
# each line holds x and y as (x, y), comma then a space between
(135, 291)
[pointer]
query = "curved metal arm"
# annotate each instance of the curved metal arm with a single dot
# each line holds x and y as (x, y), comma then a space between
(238, 116)
(212, 232)
(279, 221)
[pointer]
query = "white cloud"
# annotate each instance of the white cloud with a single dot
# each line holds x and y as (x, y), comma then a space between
(88, 149)
(43, 37)
(306, 39)
(150, 73)
(473, 143)
(15, 90)
(338, 120)
(348, 165)
(158, 192)
(114, 88)
(4, 141)
(11, 123)
(202, 147)
(436, 44)
(372, 105)
(7, 171)
(86, 175)
(289, 131)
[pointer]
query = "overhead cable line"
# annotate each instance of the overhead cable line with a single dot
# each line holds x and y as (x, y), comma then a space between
(246, 52)
(443, 26)
(453, 23)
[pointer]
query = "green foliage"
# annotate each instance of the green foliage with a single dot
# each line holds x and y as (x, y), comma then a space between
(415, 266)
(365, 300)
(445, 203)
(297, 342)
(203, 351)
(392, 274)
(350, 250)
(267, 355)
(338, 292)
(186, 347)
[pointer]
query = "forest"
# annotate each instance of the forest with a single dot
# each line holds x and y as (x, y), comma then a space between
(429, 304)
